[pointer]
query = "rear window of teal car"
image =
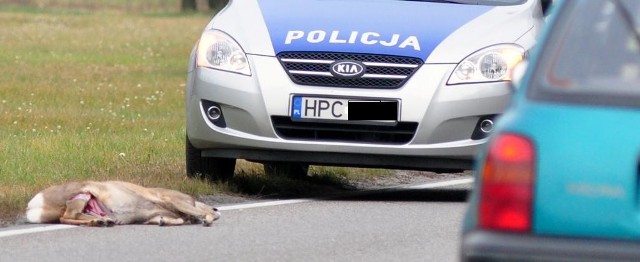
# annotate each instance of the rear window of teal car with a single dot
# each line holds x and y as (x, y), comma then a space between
(593, 59)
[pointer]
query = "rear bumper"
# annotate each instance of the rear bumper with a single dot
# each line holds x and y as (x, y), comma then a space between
(492, 246)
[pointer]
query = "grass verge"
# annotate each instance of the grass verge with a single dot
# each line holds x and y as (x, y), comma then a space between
(92, 96)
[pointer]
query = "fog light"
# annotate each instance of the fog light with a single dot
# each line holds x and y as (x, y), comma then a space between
(486, 126)
(214, 113)
(483, 127)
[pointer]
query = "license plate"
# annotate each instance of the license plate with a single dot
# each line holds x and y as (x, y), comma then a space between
(343, 109)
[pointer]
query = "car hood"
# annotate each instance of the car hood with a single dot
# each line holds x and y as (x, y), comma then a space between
(434, 32)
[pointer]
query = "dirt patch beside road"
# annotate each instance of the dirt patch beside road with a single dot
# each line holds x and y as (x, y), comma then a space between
(396, 178)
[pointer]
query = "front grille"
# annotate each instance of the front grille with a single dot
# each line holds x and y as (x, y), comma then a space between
(382, 71)
(401, 133)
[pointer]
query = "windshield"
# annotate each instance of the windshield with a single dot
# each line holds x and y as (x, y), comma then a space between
(593, 55)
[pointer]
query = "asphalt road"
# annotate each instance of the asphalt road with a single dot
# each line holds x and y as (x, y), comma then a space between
(417, 224)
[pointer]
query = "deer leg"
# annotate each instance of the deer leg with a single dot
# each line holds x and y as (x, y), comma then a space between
(74, 215)
(95, 222)
(207, 216)
(185, 204)
(165, 221)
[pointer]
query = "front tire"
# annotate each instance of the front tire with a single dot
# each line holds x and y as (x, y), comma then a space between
(211, 168)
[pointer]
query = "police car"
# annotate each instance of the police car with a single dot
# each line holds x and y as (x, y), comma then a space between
(380, 83)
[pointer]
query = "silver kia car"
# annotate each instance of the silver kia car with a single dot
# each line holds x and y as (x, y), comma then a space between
(386, 83)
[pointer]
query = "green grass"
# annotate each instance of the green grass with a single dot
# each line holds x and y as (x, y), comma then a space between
(66, 6)
(95, 96)
(100, 96)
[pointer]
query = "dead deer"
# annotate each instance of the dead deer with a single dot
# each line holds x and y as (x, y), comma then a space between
(111, 203)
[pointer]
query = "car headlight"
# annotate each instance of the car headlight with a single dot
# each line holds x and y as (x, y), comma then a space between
(218, 50)
(491, 64)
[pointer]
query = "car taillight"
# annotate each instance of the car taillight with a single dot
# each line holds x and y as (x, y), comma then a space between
(506, 192)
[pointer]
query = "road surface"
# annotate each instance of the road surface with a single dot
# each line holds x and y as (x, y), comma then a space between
(419, 223)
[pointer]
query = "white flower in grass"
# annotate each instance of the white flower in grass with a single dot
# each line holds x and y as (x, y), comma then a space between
(122, 154)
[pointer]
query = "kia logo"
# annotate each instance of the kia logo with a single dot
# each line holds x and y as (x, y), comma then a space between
(347, 69)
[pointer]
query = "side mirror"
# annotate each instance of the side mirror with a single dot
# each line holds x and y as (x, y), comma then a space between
(517, 73)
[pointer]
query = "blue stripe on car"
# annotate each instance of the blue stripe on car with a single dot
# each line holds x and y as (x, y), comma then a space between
(404, 28)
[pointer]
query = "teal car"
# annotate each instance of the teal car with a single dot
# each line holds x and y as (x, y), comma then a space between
(559, 179)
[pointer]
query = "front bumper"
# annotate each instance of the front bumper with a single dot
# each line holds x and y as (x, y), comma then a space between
(493, 246)
(446, 117)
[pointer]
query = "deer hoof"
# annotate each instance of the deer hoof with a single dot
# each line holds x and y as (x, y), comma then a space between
(99, 223)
